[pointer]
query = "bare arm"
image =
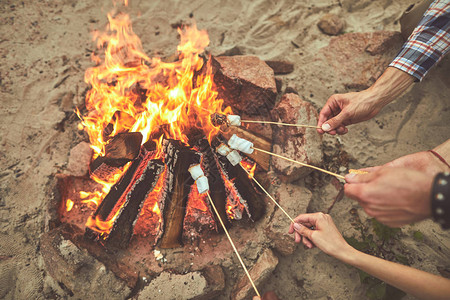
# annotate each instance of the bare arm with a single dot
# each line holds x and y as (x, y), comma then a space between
(444, 150)
(328, 238)
(415, 282)
(346, 109)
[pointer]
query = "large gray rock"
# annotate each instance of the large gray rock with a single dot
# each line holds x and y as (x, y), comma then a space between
(262, 269)
(79, 159)
(246, 83)
(294, 200)
(300, 144)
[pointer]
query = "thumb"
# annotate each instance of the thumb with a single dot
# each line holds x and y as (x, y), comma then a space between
(334, 123)
(360, 178)
(302, 230)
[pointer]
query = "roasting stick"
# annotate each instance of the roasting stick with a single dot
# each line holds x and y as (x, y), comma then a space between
(300, 163)
(232, 244)
(267, 193)
(280, 123)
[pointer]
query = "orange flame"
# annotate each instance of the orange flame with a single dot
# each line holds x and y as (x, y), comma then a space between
(131, 92)
(250, 168)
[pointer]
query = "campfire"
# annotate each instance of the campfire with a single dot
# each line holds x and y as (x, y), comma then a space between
(156, 129)
(173, 165)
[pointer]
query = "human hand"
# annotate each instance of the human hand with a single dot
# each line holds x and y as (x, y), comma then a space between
(346, 109)
(325, 235)
(395, 196)
(267, 296)
(423, 161)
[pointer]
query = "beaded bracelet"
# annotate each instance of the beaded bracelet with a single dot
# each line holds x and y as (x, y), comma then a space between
(440, 199)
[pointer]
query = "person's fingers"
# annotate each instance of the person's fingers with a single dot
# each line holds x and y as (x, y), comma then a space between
(298, 237)
(291, 228)
(307, 219)
(270, 295)
(371, 169)
(256, 298)
(341, 130)
(307, 242)
(302, 230)
(360, 178)
(334, 122)
(354, 191)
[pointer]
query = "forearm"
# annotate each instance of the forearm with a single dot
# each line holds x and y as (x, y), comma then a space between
(390, 85)
(444, 150)
(418, 283)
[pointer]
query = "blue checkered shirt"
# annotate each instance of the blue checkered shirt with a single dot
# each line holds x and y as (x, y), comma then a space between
(428, 43)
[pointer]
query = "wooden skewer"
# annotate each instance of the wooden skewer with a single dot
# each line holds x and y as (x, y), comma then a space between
(267, 193)
(280, 123)
(232, 244)
(300, 163)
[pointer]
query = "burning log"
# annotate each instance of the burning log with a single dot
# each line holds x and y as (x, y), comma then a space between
(212, 170)
(116, 191)
(122, 231)
(123, 203)
(124, 147)
(175, 194)
(262, 159)
(247, 192)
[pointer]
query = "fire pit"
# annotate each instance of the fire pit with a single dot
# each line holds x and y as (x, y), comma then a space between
(159, 134)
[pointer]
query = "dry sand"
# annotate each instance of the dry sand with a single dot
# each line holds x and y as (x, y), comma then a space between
(45, 48)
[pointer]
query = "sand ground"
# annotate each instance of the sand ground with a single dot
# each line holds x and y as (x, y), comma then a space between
(45, 48)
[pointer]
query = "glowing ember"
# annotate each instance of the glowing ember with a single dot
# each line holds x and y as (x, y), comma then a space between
(69, 205)
(250, 168)
(156, 209)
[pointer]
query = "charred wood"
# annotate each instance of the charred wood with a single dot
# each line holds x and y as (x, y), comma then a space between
(121, 149)
(251, 198)
(262, 159)
(122, 230)
(210, 165)
(116, 191)
(177, 186)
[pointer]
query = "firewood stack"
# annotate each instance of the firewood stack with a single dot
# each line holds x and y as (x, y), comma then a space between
(231, 189)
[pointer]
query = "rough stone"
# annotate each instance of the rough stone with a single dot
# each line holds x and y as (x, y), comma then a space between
(280, 67)
(78, 271)
(199, 285)
(259, 273)
(358, 59)
(294, 199)
(331, 24)
(246, 83)
(79, 159)
(301, 144)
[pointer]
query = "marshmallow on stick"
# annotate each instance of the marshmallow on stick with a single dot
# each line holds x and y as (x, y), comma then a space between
(234, 158)
(240, 144)
(223, 149)
(234, 120)
(202, 184)
(196, 171)
(232, 155)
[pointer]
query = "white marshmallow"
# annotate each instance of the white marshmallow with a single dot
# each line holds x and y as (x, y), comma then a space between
(196, 171)
(234, 157)
(202, 184)
(234, 120)
(242, 145)
(223, 149)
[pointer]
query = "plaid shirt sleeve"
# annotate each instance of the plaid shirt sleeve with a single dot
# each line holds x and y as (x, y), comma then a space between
(428, 43)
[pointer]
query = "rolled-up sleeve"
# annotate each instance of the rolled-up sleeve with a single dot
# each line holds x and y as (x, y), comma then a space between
(428, 43)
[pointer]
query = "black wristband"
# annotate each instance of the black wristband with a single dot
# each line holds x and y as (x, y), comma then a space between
(440, 199)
